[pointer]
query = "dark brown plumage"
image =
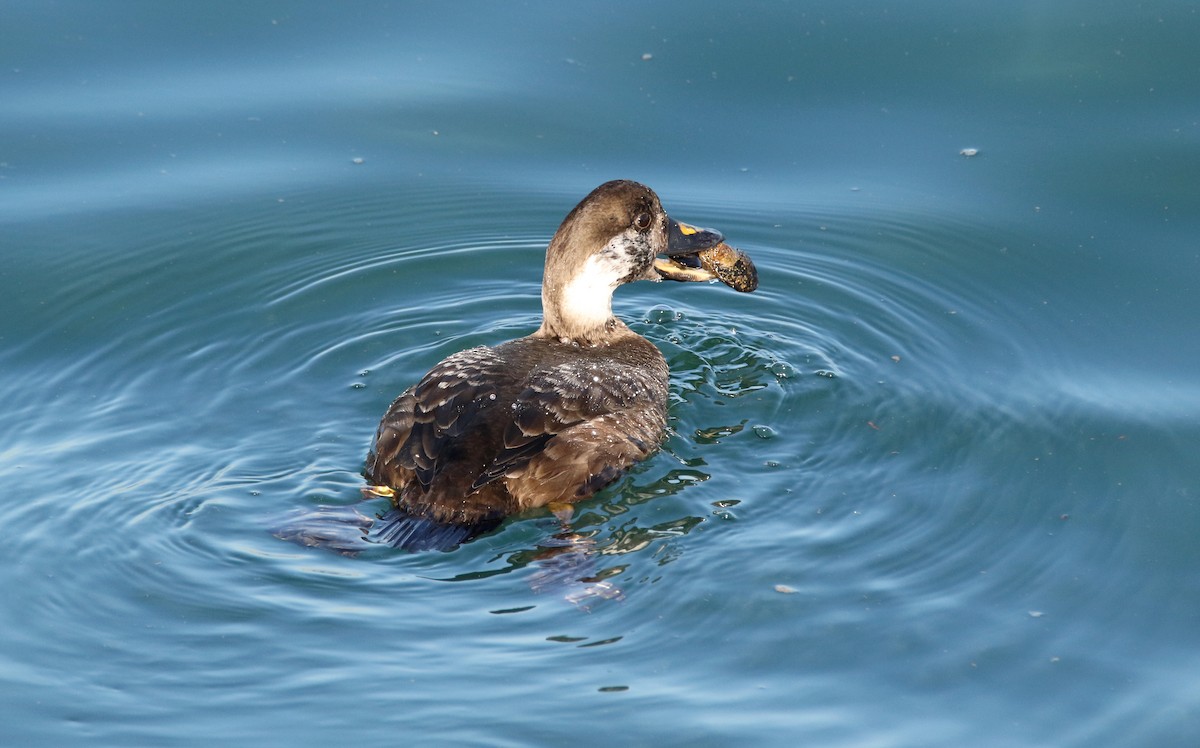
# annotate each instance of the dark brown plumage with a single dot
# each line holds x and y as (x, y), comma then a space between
(546, 419)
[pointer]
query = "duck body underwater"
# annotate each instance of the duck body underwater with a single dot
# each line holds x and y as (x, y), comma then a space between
(548, 419)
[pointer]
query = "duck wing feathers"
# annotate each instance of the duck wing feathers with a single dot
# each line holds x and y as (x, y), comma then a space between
(492, 431)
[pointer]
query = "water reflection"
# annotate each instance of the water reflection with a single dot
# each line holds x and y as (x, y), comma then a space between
(567, 555)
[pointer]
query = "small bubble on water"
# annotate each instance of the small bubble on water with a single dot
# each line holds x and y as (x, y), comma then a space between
(358, 386)
(825, 373)
(764, 432)
(663, 315)
(783, 370)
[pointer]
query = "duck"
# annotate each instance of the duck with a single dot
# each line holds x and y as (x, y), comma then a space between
(551, 418)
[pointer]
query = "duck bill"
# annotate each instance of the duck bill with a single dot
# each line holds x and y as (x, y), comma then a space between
(684, 239)
(681, 269)
(684, 245)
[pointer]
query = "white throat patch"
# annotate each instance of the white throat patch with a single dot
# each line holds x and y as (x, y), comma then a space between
(587, 298)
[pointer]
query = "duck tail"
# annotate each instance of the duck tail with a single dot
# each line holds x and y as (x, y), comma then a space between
(410, 532)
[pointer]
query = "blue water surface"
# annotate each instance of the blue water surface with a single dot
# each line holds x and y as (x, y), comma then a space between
(933, 484)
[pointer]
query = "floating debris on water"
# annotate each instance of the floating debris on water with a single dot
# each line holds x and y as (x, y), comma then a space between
(714, 434)
(969, 152)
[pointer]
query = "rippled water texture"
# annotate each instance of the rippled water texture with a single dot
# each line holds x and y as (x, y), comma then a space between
(933, 484)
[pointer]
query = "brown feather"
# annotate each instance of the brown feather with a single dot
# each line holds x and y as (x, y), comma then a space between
(549, 418)
(554, 403)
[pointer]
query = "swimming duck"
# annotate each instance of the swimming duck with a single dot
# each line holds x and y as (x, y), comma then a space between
(551, 418)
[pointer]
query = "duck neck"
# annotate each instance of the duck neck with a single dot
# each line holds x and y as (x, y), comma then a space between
(580, 308)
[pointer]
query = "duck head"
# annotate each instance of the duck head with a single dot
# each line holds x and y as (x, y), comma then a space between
(610, 238)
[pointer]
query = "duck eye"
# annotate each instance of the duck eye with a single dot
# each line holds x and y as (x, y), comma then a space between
(643, 221)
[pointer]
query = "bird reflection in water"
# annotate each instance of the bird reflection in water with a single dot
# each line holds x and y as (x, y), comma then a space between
(568, 561)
